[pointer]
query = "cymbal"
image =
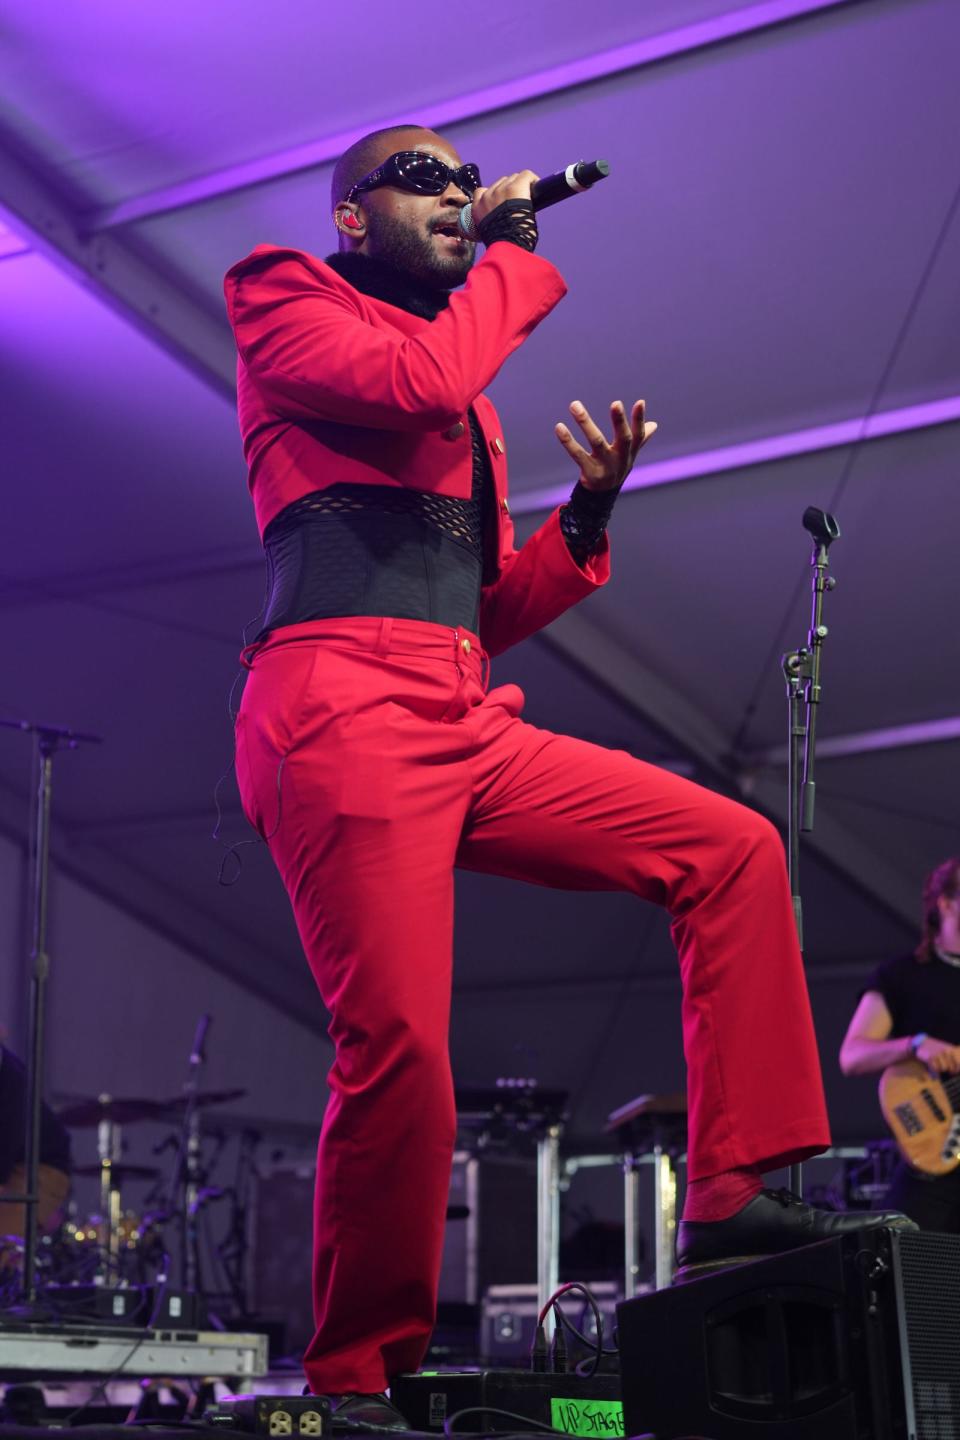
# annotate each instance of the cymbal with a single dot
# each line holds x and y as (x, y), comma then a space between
(204, 1097)
(85, 1113)
(120, 1171)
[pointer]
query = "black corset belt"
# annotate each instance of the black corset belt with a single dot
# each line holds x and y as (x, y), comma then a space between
(374, 550)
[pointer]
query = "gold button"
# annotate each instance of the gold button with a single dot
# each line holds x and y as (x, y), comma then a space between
(504, 506)
(465, 646)
(455, 431)
(498, 446)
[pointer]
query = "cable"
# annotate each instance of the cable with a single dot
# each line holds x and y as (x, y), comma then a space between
(853, 453)
(584, 1340)
(539, 1350)
(565, 1290)
(529, 1424)
(101, 1385)
(231, 851)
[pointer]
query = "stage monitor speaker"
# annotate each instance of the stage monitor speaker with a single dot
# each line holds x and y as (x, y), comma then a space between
(850, 1339)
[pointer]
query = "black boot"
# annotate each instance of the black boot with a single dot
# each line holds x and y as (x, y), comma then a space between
(773, 1221)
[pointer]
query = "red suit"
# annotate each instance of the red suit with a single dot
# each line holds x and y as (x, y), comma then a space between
(372, 757)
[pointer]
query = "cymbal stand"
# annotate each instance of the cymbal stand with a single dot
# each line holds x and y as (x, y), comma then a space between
(109, 1151)
(801, 671)
(187, 1175)
(48, 740)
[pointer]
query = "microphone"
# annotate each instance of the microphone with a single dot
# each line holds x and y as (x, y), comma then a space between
(548, 191)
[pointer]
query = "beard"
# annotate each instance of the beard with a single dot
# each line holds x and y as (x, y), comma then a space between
(415, 251)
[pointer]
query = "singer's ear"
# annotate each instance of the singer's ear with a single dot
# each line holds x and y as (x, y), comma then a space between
(348, 220)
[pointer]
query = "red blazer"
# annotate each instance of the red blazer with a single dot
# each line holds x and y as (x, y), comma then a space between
(334, 385)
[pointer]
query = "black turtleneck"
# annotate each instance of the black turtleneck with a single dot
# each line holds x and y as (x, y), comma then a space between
(385, 282)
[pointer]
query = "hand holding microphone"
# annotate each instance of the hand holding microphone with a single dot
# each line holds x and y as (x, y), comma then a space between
(525, 185)
(487, 198)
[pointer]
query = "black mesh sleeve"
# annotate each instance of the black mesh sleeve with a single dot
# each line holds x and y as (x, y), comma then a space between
(515, 221)
(583, 520)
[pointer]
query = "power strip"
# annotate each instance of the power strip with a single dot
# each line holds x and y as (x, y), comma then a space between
(272, 1414)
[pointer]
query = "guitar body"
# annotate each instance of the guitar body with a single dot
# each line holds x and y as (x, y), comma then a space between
(921, 1116)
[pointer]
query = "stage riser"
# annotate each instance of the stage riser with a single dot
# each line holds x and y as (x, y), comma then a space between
(39, 1350)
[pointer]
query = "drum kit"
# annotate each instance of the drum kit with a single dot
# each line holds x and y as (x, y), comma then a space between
(115, 1245)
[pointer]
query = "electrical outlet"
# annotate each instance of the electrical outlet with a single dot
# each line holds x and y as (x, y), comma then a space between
(278, 1415)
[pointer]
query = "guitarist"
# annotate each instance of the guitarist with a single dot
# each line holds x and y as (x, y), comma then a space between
(910, 1008)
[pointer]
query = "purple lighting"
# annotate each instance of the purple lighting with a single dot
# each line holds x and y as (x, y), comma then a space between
(760, 452)
(893, 737)
(10, 243)
(488, 101)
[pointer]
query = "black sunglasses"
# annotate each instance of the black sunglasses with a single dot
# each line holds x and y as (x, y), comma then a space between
(423, 174)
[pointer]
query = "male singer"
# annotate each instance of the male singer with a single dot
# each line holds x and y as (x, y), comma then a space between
(373, 758)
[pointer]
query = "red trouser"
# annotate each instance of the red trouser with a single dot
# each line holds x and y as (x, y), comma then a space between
(372, 759)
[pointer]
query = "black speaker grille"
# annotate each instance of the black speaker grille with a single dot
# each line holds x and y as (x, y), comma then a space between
(929, 1267)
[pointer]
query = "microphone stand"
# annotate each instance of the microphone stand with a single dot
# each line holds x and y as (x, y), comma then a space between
(801, 670)
(49, 739)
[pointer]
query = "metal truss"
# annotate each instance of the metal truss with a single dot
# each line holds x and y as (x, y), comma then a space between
(158, 304)
(472, 105)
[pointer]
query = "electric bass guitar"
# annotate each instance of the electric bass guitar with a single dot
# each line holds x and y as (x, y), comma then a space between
(922, 1112)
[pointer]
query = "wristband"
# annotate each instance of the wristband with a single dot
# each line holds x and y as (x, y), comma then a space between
(512, 220)
(583, 520)
(917, 1040)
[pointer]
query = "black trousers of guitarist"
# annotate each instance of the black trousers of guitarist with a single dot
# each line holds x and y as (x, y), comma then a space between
(933, 1201)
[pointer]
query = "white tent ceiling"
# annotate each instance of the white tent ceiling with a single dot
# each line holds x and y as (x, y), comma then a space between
(776, 252)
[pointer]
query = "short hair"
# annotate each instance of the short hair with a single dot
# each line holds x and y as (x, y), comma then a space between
(360, 159)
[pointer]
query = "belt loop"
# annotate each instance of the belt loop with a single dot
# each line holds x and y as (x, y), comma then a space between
(249, 653)
(383, 637)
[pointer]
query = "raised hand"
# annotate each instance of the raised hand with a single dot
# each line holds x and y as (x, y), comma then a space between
(607, 463)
